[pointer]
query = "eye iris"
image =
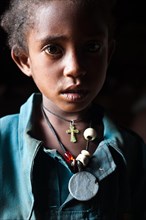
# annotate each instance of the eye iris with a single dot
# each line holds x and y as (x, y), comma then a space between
(93, 47)
(52, 49)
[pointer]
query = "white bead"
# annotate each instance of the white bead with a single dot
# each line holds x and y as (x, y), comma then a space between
(85, 153)
(83, 159)
(90, 134)
(73, 162)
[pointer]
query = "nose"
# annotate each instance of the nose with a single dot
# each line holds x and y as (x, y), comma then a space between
(74, 65)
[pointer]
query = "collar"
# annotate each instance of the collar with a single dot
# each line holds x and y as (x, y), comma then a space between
(102, 158)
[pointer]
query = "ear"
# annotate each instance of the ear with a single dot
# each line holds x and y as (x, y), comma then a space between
(111, 50)
(22, 61)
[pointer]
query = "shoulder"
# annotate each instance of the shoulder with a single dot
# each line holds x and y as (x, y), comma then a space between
(130, 143)
(136, 165)
(133, 144)
(127, 138)
(134, 150)
(8, 122)
(8, 130)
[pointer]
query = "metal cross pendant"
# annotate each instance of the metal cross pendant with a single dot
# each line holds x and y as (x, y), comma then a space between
(72, 131)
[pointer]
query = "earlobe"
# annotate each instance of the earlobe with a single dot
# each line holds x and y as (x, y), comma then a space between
(22, 61)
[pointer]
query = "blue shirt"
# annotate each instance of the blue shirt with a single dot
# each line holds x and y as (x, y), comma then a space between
(34, 180)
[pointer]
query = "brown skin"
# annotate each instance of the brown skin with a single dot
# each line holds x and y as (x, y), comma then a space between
(69, 53)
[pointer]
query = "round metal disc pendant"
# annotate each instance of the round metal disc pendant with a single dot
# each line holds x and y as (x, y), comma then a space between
(83, 186)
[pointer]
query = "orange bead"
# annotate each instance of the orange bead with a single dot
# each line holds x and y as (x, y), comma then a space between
(68, 157)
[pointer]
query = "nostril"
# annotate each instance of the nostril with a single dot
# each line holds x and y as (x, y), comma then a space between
(74, 66)
(74, 72)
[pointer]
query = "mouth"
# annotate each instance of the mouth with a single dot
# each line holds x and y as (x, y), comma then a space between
(75, 95)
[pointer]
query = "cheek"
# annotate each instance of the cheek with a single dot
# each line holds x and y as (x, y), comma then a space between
(45, 81)
(41, 77)
(97, 80)
(42, 71)
(98, 74)
(98, 66)
(98, 83)
(46, 85)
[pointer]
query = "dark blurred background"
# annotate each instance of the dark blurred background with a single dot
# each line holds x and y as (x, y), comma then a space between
(124, 93)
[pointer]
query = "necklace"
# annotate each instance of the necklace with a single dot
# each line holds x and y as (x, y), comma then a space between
(53, 113)
(89, 135)
(82, 185)
(72, 126)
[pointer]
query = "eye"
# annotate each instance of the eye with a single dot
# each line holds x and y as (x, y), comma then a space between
(93, 47)
(53, 49)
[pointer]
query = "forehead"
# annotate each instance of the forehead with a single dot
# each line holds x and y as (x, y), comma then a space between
(59, 14)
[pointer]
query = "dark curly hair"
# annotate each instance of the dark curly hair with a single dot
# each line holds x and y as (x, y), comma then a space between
(20, 18)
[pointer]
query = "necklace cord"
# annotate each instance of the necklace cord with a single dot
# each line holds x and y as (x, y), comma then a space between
(53, 130)
(83, 158)
(72, 121)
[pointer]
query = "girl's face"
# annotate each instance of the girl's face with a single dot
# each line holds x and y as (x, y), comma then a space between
(68, 55)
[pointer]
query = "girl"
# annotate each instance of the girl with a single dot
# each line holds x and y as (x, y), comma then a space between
(61, 156)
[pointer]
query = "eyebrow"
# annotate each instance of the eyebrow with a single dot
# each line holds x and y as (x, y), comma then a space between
(59, 37)
(51, 38)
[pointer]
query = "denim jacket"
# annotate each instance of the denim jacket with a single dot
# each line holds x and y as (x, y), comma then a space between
(34, 181)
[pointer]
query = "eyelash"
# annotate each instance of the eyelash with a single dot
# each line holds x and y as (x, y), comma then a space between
(55, 50)
(93, 47)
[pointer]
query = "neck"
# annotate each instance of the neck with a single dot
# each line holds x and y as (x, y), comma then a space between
(83, 116)
(72, 120)
(73, 123)
(70, 153)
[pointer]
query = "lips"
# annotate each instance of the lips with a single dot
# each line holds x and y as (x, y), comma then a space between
(74, 88)
(74, 94)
